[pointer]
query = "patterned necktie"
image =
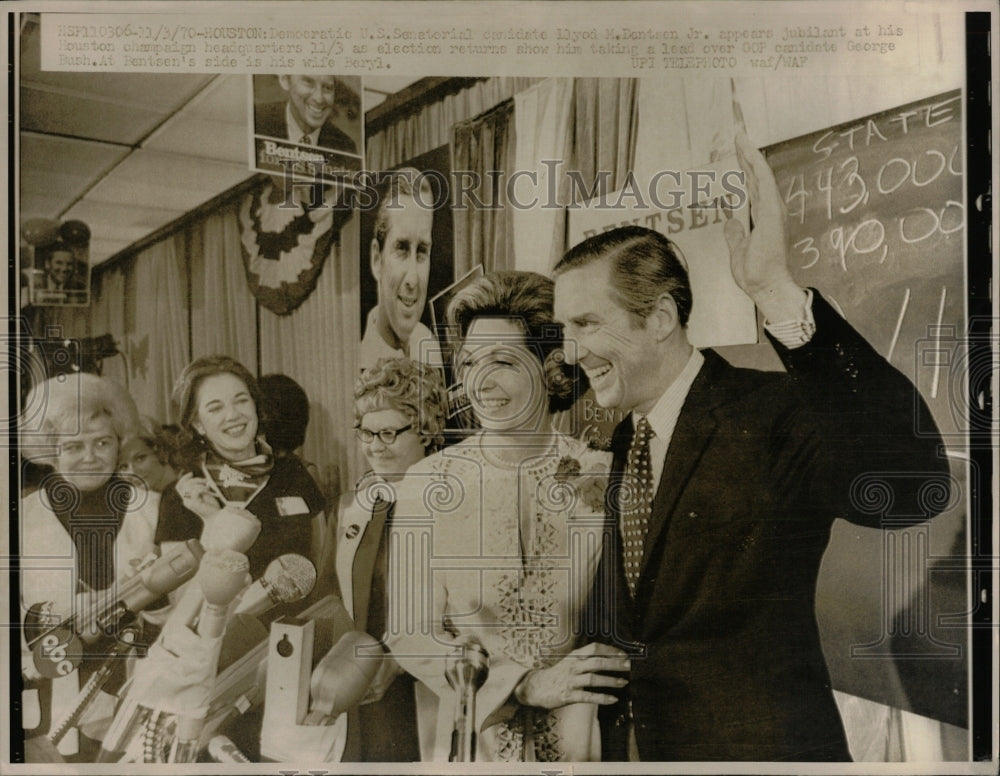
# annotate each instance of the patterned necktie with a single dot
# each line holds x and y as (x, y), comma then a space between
(637, 500)
(306, 140)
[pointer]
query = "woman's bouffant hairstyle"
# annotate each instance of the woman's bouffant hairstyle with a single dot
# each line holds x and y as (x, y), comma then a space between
(190, 444)
(528, 298)
(409, 387)
(59, 406)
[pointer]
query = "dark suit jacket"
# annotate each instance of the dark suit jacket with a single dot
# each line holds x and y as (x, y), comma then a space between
(728, 664)
(73, 284)
(269, 119)
(386, 730)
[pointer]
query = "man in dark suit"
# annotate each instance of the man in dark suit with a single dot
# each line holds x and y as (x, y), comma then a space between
(305, 117)
(59, 284)
(725, 485)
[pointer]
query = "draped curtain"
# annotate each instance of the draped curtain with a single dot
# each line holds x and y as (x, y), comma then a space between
(484, 149)
(431, 127)
(108, 316)
(156, 324)
(587, 124)
(223, 312)
(543, 118)
(317, 346)
(605, 129)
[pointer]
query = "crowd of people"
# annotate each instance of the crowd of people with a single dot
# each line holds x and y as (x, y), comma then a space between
(649, 602)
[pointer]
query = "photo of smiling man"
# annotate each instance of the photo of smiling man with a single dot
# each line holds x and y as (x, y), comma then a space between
(306, 121)
(399, 258)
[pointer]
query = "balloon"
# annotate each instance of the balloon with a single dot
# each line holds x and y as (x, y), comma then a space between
(75, 232)
(40, 231)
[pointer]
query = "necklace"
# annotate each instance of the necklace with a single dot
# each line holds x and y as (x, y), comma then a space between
(529, 457)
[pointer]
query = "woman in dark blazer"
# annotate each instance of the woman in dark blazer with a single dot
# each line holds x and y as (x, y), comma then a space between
(400, 408)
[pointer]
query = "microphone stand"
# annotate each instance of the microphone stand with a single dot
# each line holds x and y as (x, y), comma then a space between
(127, 638)
(466, 671)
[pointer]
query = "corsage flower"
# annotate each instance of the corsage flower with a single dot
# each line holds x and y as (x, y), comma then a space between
(589, 486)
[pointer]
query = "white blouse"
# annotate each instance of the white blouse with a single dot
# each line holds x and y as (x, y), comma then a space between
(504, 554)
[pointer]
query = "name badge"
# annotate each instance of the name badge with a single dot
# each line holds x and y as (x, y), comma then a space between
(289, 506)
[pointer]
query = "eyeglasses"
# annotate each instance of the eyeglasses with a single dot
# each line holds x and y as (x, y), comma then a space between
(387, 435)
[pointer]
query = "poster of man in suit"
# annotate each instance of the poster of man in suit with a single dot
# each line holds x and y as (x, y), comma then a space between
(60, 277)
(306, 125)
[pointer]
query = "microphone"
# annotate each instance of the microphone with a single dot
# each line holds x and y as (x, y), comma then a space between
(288, 578)
(164, 576)
(223, 575)
(466, 671)
(231, 528)
(223, 750)
(341, 678)
(126, 640)
(54, 651)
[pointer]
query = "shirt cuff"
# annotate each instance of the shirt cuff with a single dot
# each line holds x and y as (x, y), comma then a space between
(795, 333)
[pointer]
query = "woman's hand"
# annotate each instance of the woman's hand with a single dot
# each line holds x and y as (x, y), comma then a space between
(197, 496)
(571, 679)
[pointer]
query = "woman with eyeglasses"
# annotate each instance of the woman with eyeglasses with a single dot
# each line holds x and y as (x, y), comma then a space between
(501, 538)
(227, 462)
(400, 408)
(82, 534)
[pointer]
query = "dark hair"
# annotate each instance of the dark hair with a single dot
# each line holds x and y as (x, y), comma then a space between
(185, 402)
(391, 188)
(408, 386)
(644, 265)
(286, 409)
(528, 298)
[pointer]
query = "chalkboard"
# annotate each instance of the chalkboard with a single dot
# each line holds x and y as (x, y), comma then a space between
(876, 222)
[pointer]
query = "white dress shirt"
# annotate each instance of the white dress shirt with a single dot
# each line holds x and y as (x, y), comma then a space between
(295, 132)
(663, 417)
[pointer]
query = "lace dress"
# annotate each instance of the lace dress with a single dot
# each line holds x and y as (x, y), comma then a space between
(505, 554)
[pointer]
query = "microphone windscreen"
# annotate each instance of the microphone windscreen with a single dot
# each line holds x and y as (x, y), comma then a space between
(231, 528)
(288, 578)
(291, 576)
(223, 575)
(341, 678)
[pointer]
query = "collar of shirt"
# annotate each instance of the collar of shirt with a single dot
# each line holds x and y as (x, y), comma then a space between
(295, 132)
(663, 417)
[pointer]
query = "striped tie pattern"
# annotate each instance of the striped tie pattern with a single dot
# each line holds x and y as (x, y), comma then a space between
(636, 503)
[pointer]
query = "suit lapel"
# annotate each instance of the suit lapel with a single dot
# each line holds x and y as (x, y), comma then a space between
(694, 430)
(364, 563)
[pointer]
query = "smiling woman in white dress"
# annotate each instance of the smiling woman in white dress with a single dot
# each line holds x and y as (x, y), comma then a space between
(496, 538)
